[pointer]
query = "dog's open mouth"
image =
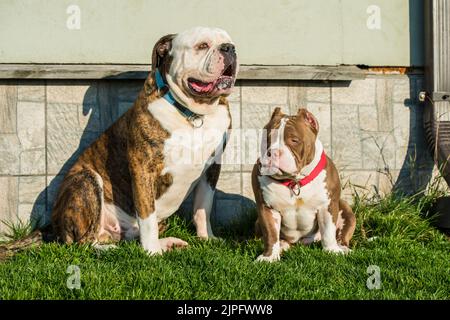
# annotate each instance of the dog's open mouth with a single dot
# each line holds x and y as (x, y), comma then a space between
(225, 81)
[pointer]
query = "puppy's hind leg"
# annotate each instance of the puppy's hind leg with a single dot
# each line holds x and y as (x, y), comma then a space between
(77, 211)
(346, 225)
(327, 230)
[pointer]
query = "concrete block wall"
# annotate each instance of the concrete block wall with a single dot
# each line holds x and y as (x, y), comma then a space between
(372, 129)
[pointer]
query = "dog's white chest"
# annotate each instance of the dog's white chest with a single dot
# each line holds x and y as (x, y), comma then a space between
(188, 151)
(298, 213)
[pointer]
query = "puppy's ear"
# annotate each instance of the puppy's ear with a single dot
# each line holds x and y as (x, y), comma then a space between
(161, 50)
(276, 113)
(309, 119)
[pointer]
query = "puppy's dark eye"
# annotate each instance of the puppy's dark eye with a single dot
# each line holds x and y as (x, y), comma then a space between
(203, 46)
(295, 140)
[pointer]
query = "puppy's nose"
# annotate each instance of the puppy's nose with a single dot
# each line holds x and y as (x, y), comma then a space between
(227, 47)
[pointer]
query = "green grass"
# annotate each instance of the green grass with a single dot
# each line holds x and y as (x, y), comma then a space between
(414, 261)
(16, 230)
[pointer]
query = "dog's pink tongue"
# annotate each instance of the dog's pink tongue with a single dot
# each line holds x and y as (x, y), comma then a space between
(202, 87)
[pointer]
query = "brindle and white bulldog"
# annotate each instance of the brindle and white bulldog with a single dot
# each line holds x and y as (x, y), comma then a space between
(297, 189)
(141, 169)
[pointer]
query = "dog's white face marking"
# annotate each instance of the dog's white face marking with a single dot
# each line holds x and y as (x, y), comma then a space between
(201, 71)
(278, 155)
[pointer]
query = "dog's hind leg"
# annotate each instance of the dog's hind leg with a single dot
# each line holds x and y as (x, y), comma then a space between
(77, 212)
(345, 227)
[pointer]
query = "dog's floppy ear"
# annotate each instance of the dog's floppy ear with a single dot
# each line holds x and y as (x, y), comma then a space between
(161, 50)
(309, 119)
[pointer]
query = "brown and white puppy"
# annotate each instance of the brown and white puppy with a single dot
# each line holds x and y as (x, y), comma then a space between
(297, 189)
(141, 169)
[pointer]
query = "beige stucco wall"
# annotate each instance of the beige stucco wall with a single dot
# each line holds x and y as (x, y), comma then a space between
(266, 32)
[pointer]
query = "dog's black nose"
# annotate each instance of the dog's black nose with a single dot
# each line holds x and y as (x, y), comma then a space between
(227, 47)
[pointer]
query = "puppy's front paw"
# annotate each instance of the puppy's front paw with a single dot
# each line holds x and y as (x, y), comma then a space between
(345, 249)
(170, 243)
(271, 258)
(205, 236)
(338, 249)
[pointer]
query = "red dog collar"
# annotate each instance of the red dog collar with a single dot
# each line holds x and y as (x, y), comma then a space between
(291, 183)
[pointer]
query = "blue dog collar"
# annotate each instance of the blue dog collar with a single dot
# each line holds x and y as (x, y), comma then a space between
(195, 119)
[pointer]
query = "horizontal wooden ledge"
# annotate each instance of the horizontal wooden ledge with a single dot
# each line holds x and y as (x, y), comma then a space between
(124, 71)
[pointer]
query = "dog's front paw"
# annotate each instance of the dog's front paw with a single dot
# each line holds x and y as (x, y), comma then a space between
(153, 248)
(345, 249)
(170, 243)
(209, 236)
(338, 249)
(104, 247)
(271, 258)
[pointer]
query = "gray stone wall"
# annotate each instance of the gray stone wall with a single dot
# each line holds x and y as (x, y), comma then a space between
(371, 128)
